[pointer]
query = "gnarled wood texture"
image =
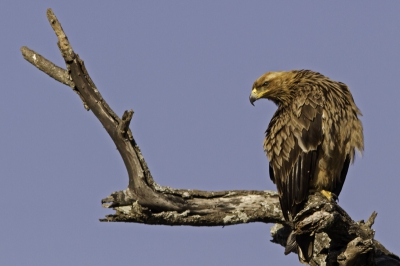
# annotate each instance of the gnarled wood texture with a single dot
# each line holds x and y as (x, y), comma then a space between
(339, 240)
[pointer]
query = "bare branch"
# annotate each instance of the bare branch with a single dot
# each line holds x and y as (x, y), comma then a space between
(56, 72)
(63, 43)
(124, 126)
(50, 69)
(227, 208)
(339, 240)
(371, 220)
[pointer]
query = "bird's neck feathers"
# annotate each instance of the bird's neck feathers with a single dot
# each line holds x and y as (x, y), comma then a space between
(284, 89)
(291, 81)
(281, 87)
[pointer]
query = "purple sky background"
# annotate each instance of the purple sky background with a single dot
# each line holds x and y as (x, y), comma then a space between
(186, 69)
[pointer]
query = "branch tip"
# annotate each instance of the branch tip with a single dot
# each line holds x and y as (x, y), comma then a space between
(371, 220)
(48, 67)
(65, 47)
(127, 116)
(124, 125)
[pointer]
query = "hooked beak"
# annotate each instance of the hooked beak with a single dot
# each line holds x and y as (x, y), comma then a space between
(253, 97)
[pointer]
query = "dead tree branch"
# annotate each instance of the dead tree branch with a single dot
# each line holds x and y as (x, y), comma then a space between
(339, 240)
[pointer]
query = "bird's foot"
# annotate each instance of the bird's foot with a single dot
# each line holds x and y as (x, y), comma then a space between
(329, 195)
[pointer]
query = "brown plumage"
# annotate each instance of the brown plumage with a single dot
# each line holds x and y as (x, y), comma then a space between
(311, 139)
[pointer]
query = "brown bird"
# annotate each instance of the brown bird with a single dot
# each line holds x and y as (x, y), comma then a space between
(310, 141)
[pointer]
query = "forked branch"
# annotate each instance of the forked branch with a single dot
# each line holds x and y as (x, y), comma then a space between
(144, 201)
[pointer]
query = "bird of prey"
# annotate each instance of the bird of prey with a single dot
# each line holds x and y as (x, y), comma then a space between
(310, 141)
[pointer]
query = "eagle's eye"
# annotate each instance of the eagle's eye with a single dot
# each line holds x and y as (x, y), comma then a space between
(266, 83)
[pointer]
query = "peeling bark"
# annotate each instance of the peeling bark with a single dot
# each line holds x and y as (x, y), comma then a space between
(339, 240)
(201, 208)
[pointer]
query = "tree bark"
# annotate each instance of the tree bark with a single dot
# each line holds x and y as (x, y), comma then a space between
(339, 240)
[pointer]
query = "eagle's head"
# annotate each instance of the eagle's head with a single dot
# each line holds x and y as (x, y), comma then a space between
(274, 86)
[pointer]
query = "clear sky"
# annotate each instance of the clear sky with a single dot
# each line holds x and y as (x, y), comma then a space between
(186, 69)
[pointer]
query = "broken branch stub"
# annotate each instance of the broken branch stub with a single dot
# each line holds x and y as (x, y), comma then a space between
(339, 240)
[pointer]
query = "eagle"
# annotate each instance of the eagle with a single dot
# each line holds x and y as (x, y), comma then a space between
(310, 140)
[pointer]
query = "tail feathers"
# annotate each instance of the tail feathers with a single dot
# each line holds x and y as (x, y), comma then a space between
(304, 245)
(291, 244)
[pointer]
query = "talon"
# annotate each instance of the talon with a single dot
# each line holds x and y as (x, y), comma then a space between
(335, 197)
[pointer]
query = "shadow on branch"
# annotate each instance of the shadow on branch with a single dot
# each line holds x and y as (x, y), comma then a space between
(339, 240)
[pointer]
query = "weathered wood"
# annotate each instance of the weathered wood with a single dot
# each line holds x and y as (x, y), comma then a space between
(351, 243)
(339, 240)
(225, 208)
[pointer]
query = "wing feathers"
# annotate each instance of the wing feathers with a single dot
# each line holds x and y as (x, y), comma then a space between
(292, 147)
